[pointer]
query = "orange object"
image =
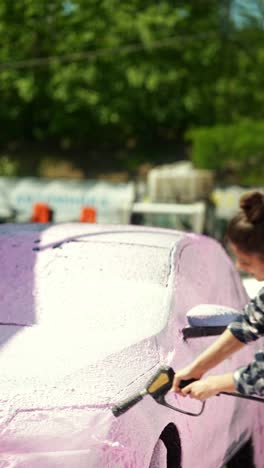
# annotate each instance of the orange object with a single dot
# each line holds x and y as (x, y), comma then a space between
(41, 213)
(88, 214)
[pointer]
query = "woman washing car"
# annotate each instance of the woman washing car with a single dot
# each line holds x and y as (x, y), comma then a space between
(245, 234)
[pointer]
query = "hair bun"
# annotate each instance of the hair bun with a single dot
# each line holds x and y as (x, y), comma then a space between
(253, 206)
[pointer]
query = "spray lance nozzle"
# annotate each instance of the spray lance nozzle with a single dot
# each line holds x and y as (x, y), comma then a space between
(157, 387)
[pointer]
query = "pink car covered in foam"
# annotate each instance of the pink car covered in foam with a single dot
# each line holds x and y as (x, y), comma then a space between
(88, 313)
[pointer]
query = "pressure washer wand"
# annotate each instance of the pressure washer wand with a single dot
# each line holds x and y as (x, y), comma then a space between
(157, 388)
(246, 397)
(125, 405)
(159, 385)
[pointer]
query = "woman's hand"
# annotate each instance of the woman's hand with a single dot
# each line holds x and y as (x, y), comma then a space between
(184, 374)
(210, 386)
(223, 347)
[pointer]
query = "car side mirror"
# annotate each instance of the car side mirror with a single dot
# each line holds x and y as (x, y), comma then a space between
(208, 320)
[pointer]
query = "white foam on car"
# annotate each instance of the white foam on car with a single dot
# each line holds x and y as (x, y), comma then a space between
(69, 300)
(211, 315)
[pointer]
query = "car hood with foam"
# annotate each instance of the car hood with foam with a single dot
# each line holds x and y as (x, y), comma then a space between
(80, 308)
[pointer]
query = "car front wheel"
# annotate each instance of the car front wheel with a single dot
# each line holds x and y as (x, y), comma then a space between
(167, 451)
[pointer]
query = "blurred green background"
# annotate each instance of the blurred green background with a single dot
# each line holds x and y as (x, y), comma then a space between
(100, 86)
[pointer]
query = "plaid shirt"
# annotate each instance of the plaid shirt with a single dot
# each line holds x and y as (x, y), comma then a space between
(249, 327)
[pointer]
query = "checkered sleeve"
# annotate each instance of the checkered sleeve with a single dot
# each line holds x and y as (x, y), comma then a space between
(250, 379)
(250, 325)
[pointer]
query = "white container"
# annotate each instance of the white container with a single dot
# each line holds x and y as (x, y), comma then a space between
(179, 183)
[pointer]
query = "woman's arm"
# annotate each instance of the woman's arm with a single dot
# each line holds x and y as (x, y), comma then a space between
(250, 325)
(247, 380)
(250, 379)
(223, 347)
(246, 328)
(210, 386)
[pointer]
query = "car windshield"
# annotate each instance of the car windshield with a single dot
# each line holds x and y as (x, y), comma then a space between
(103, 286)
(111, 290)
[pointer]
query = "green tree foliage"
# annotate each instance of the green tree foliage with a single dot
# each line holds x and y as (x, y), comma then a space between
(233, 151)
(118, 78)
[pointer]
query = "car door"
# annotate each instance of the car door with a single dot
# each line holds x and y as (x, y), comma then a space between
(204, 274)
